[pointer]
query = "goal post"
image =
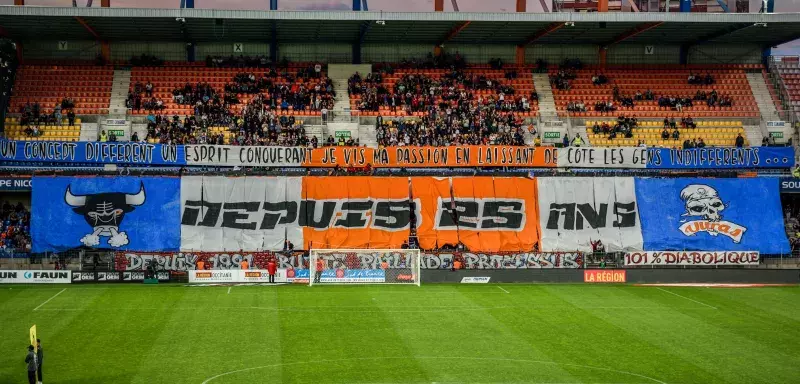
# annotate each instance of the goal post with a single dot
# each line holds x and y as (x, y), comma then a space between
(364, 266)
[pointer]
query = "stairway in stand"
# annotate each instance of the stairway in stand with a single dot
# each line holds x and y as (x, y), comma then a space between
(339, 75)
(766, 107)
(119, 93)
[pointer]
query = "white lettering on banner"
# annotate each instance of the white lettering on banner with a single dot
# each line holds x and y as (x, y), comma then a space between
(475, 280)
(566, 260)
(249, 156)
(588, 157)
(714, 228)
(776, 124)
(23, 276)
(700, 258)
(180, 261)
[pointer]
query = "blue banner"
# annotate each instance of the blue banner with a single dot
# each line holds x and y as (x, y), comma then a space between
(15, 184)
(721, 158)
(119, 213)
(711, 214)
(790, 185)
(92, 152)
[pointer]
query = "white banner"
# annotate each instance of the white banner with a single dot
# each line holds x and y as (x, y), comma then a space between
(593, 157)
(574, 212)
(475, 280)
(700, 258)
(246, 156)
(236, 213)
(38, 276)
(236, 276)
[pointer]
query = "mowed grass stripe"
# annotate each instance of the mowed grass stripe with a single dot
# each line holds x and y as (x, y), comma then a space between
(594, 331)
(334, 335)
(170, 333)
(702, 338)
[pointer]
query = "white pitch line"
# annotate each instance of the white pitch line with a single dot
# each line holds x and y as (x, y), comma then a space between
(229, 290)
(503, 289)
(681, 296)
(51, 298)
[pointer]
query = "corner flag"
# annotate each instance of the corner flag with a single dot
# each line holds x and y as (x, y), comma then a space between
(33, 335)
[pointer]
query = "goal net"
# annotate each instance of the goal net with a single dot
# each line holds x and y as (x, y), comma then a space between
(364, 266)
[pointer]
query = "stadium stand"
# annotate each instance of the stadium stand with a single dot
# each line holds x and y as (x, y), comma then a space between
(14, 228)
(665, 81)
(789, 71)
(283, 84)
(89, 87)
(650, 133)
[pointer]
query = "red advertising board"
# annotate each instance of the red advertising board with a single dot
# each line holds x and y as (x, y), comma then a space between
(604, 276)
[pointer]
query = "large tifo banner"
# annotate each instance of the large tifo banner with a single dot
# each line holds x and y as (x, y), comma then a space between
(140, 213)
(261, 213)
(575, 212)
(712, 214)
(482, 213)
(487, 215)
(92, 152)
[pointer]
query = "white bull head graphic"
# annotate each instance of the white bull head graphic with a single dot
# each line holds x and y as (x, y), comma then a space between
(104, 212)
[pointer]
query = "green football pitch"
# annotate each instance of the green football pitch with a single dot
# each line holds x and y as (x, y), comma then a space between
(403, 334)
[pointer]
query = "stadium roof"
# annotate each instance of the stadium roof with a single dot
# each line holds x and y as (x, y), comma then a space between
(204, 25)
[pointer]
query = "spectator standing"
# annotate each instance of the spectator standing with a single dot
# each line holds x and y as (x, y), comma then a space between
(739, 141)
(272, 267)
(30, 361)
(103, 137)
(245, 265)
(318, 273)
(565, 142)
(40, 358)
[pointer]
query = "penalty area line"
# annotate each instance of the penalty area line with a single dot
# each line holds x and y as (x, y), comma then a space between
(684, 297)
(51, 298)
(503, 289)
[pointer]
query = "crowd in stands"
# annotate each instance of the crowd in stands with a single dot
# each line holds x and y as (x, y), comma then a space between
(451, 112)
(35, 119)
(623, 127)
(15, 233)
(486, 127)
(266, 119)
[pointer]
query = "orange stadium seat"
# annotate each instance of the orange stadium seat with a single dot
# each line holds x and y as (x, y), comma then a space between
(668, 81)
(166, 79)
(88, 86)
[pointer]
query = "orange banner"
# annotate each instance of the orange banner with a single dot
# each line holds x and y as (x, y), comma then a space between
(452, 156)
(485, 214)
(356, 212)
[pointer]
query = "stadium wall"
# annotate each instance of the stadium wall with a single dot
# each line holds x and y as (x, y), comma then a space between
(638, 276)
(49, 49)
(169, 51)
(328, 53)
(725, 54)
(226, 49)
(383, 53)
(635, 54)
